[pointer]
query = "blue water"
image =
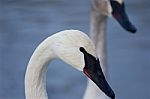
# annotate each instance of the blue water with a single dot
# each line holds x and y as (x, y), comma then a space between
(25, 23)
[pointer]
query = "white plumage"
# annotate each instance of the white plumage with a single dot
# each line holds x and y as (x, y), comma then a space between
(63, 45)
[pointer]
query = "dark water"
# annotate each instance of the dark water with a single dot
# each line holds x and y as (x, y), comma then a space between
(25, 23)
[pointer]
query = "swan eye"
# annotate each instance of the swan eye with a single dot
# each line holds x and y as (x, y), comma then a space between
(117, 6)
(89, 59)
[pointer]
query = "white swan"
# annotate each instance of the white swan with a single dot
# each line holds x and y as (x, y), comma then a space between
(100, 11)
(72, 46)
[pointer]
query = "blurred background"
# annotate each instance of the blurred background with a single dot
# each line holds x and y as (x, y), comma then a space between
(25, 23)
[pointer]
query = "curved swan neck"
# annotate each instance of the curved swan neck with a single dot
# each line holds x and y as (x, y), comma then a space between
(63, 45)
(35, 78)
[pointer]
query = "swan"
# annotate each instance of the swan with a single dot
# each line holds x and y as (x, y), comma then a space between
(100, 11)
(73, 47)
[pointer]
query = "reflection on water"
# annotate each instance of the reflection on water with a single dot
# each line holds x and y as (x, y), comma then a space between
(24, 24)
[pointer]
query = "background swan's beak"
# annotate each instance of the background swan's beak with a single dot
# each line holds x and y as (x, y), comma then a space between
(96, 75)
(119, 13)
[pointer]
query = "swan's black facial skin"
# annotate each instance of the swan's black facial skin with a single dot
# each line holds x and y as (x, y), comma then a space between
(93, 70)
(119, 13)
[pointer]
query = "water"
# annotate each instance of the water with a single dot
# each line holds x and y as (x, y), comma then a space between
(25, 23)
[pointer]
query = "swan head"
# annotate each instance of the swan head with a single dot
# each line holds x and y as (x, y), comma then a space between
(116, 9)
(76, 49)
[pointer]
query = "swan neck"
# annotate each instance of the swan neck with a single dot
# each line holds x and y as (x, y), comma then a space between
(98, 36)
(35, 78)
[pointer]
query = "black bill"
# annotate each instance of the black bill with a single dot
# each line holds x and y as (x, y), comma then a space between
(119, 13)
(93, 70)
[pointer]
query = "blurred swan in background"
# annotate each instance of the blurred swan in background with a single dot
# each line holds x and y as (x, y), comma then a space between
(73, 47)
(100, 11)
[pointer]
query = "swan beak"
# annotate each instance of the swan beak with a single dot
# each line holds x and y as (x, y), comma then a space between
(96, 75)
(119, 13)
(93, 70)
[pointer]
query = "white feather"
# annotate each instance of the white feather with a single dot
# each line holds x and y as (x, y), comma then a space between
(63, 45)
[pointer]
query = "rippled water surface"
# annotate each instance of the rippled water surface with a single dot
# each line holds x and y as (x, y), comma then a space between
(25, 23)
